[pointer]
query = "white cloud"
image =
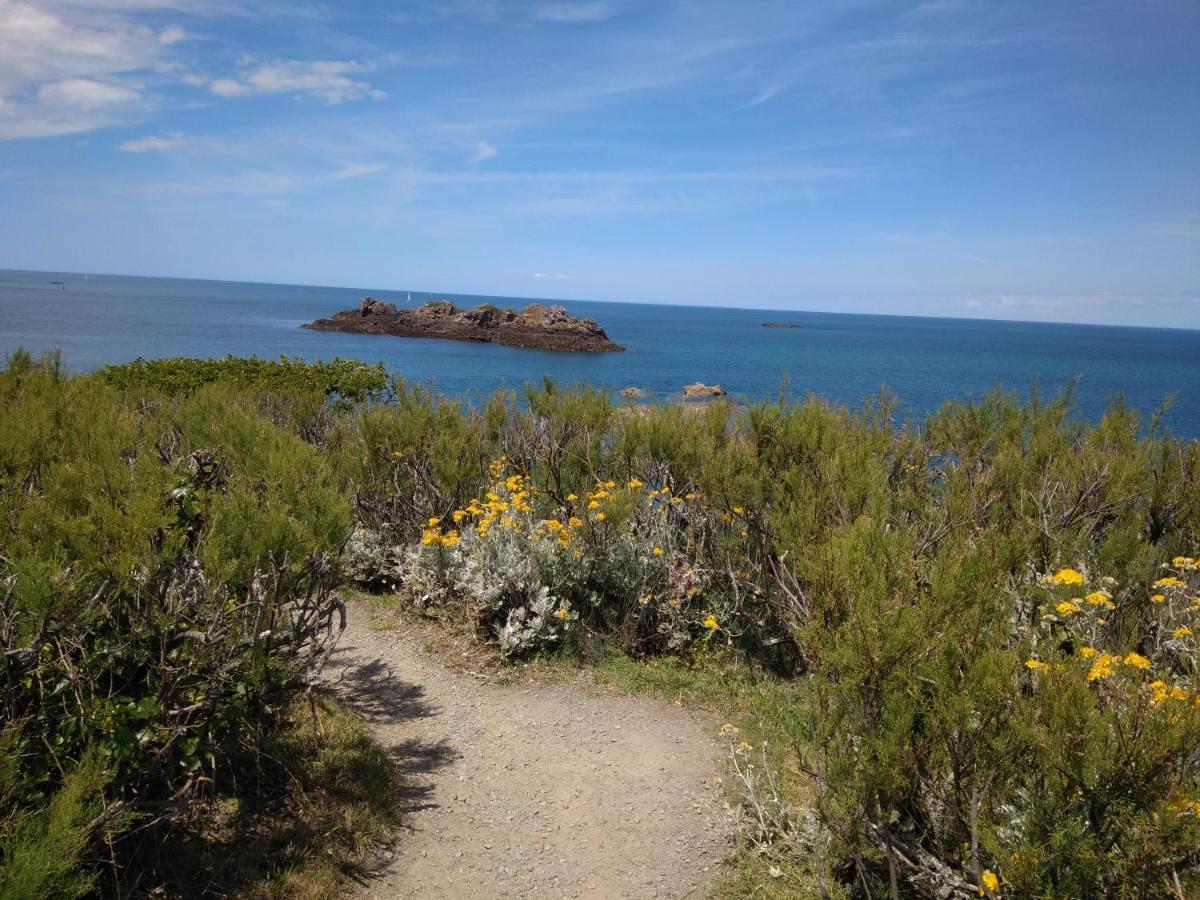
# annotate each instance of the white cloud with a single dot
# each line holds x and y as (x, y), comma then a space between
(483, 152)
(551, 276)
(172, 34)
(327, 79)
(154, 143)
(84, 93)
(227, 87)
(588, 11)
(37, 46)
(67, 73)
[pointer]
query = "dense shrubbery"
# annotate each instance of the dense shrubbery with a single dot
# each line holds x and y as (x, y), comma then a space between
(343, 381)
(990, 692)
(897, 572)
(166, 580)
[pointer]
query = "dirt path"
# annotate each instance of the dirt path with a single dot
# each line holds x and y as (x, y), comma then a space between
(535, 790)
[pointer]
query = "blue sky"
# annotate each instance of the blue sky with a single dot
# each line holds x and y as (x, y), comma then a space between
(1023, 160)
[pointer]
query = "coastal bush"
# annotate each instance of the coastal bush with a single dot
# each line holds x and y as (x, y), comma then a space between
(167, 575)
(346, 382)
(622, 559)
(982, 624)
(897, 573)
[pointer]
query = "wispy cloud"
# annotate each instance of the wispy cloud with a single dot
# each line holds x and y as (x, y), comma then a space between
(85, 94)
(592, 11)
(483, 151)
(551, 276)
(561, 11)
(154, 143)
(327, 79)
(358, 170)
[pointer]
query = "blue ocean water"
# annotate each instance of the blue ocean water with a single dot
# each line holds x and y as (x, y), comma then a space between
(101, 319)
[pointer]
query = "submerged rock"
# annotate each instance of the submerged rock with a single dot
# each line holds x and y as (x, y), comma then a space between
(539, 326)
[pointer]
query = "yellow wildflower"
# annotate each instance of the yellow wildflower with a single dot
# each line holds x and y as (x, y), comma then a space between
(658, 551)
(1182, 562)
(610, 484)
(1036, 665)
(571, 498)
(1066, 608)
(635, 483)
(600, 517)
(434, 520)
(1067, 576)
(1088, 652)
(458, 515)
(711, 623)
(1102, 667)
(1099, 598)
(989, 881)
(1137, 661)
(574, 522)
(1170, 582)
(1181, 631)
(560, 613)
(737, 511)
(1158, 691)
(593, 504)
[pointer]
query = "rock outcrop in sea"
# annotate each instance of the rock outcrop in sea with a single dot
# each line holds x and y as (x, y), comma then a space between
(700, 391)
(538, 326)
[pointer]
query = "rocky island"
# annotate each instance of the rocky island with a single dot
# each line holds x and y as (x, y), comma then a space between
(538, 327)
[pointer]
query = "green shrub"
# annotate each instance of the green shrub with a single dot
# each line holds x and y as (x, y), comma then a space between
(944, 700)
(894, 571)
(42, 851)
(167, 569)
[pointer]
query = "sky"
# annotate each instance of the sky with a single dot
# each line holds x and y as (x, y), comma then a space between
(1017, 160)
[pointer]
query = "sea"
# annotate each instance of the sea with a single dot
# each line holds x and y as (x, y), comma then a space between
(96, 320)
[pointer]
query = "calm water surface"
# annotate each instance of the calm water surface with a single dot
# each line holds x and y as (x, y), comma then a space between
(104, 319)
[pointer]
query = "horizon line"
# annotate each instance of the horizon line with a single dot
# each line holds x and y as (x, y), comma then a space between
(693, 305)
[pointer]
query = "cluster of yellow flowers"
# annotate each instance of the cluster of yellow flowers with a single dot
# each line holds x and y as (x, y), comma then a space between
(1070, 577)
(1104, 665)
(434, 536)
(506, 496)
(561, 533)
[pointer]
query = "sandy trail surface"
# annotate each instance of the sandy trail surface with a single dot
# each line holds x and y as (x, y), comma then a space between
(538, 790)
